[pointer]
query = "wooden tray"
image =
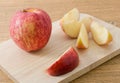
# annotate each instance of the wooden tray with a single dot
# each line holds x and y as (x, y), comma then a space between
(27, 67)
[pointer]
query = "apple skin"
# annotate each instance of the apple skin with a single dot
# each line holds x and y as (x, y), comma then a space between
(66, 63)
(30, 29)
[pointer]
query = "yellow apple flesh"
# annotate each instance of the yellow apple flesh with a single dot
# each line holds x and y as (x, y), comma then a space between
(100, 34)
(70, 23)
(87, 22)
(82, 40)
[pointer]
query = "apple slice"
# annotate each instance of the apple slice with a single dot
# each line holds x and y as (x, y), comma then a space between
(87, 22)
(100, 34)
(65, 63)
(72, 15)
(70, 23)
(82, 40)
(72, 28)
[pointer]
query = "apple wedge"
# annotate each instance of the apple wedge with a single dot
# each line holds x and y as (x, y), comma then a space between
(65, 63)
(82, 40)
(87, 22)
(70, 23)
(100, 34)
(72, 15)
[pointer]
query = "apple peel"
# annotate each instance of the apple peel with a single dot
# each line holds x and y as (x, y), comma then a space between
(65, 63)
(31, 29)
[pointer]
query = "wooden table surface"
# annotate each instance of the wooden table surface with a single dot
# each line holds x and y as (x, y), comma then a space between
(108, 10)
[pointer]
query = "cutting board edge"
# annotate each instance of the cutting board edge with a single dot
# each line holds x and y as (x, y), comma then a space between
(9, 76)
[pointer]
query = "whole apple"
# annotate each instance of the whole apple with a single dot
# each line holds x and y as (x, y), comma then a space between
(30, 29)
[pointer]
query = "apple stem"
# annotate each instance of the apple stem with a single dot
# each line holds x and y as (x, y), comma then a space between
(24, 10)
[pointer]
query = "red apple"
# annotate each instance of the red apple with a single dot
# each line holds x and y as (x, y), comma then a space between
(31, 29)
(66, 63)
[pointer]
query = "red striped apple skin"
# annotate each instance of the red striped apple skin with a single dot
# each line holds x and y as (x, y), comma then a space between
(30, 29)
(66, 63)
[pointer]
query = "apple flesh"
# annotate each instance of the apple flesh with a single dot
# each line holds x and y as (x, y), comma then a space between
(82, 40)
(70, 23)
(30, 29)
(72, 29)
(66, 63)
(100, 34)
(87, 22)
(72, 15)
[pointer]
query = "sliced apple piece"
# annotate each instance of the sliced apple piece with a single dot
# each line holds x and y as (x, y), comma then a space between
(100, 34)
(72, 15)
(82, 40)
(72, 28)
(87, 22)
(65, 63)
(70, 23)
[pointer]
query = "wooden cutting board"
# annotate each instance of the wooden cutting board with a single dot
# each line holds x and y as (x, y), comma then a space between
(27, 67)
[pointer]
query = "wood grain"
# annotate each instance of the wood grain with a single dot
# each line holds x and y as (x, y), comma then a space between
(107, 10)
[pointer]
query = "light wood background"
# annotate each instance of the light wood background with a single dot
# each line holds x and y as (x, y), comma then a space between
(108, 10)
